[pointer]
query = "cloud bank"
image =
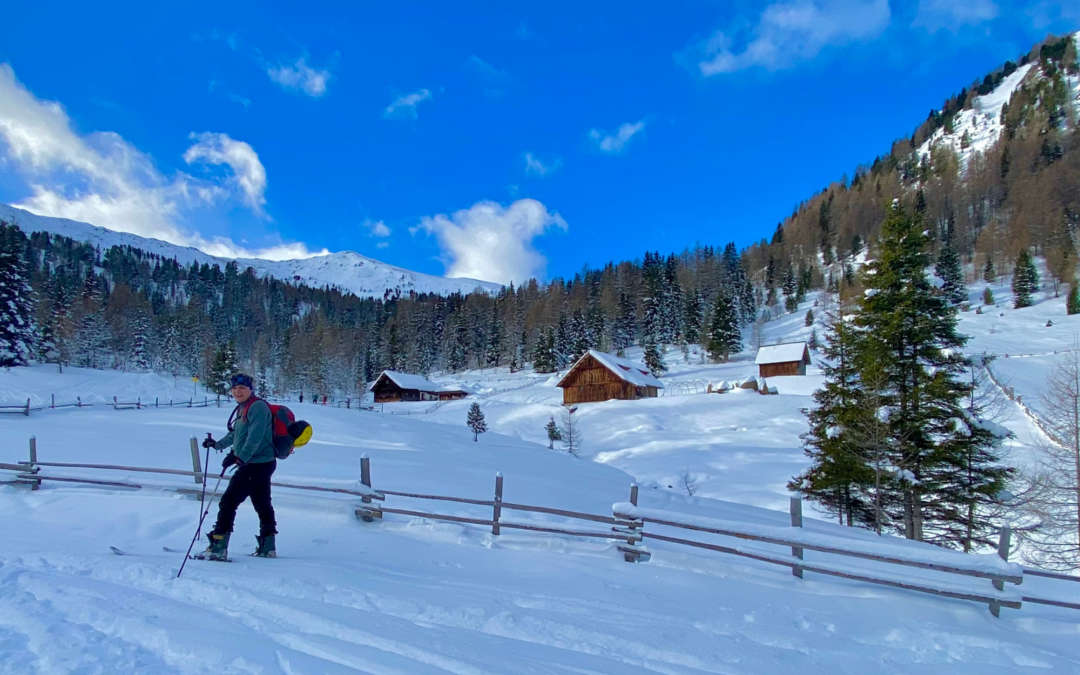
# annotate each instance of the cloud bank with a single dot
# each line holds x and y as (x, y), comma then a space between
(935, 15)
(299, 76)
(102, 179)
(491, 242)
(614, 143)
(789, 33)
(404, 107)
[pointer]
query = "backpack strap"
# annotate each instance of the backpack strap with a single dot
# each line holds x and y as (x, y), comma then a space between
(242, 409)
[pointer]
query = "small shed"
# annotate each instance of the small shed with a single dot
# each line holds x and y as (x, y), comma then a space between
(598, 376)
(790, 358)
(392, 386)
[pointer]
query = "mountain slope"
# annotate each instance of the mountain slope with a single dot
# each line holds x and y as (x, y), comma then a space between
(347, 271)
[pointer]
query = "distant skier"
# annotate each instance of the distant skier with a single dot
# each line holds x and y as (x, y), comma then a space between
(251, 438)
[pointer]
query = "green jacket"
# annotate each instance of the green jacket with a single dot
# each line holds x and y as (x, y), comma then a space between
(252, 436)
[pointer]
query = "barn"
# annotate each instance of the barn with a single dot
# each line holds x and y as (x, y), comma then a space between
(392, 386)
(600, 377)
(790, 358)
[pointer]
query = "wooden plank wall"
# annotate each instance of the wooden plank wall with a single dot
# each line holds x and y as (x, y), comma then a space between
(590, 382)
(782, 369)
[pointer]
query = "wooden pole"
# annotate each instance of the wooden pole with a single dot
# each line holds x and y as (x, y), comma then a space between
(633, 494)
(54, 401)
(498, 503)
(796, 521)
(35, 484)
(365, 480)
(1004, 543)
(28, 407)
(196, 463)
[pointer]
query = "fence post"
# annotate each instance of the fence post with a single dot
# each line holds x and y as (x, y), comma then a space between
(54, 402)
(155, 401)
(78, 400)
(138, 403)
(196, 464)
(365, 513)
(1004, 543)
(631, 530)
(28, 407)
(498, 503)
(114, 403)
(34, 468)
(796, 521)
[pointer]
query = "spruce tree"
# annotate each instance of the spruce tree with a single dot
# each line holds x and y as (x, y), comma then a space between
(988, 296)
(17, 330)
(952, 277)
(989, 274)
(1072, 304)
(943, 460)
(809, 318)
(791, 290)
(553, 432)
(654, 359)
(625, 326)
(475, 420)
(693, 317)
(544, 360)
(1025, 280)
(724, 337)
(222, 369)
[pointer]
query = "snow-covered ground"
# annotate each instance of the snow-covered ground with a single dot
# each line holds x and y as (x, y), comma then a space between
(411, 595)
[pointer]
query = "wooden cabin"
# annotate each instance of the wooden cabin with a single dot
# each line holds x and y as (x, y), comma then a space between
(601, 377)
(392, 386)
(790, 358)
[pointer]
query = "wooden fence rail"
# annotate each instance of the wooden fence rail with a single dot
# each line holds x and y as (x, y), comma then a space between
(627, 527)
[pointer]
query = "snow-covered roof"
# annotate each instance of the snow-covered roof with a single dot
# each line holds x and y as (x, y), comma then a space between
(410, 381)
(627, 370)
(785, 353)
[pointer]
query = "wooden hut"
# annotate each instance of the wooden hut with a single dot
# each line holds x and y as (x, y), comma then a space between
(392, 386)
(790, 358)
(600, 377)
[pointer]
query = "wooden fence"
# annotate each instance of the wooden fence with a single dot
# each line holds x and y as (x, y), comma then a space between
(626, 526)
(157, 402)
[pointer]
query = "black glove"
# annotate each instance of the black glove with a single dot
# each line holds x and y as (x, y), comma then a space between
(209, 442)
(229, 460)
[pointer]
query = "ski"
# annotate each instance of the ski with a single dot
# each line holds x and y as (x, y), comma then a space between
(200, 556)
(118, 551)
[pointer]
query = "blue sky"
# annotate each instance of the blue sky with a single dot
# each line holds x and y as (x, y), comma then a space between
(482, 140)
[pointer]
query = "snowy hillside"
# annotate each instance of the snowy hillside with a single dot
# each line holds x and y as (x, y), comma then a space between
(346, 270)
(977, 129)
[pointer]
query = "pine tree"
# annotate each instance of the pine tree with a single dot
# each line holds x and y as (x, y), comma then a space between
(791, 289)
(989, 274)
(943, 459)
(988, 296)
(809, 318)
(475, 420)
(952, 278)
(223, 368)
(693, 317)
(17, 330)
(724, 337)
(553, 432)
(1025, 280)
(544, 359)
(654, 359)
(140, 348)
(518, 358)
(1072, 304)
(625, 327)
(571, 431)
(495, 337)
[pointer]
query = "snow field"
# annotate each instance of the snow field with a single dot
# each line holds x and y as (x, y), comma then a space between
(410, 595)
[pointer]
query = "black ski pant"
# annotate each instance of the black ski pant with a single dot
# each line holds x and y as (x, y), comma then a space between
(250, 480)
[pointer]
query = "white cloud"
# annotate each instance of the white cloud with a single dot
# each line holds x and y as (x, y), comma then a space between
(491, 242)
(405, 106)
(614, 143)
(534, 166)
(934, 15)
(496, 82)
(788, 33)
(102, 179)
(300, 76)
(248, 171)
(377, 228)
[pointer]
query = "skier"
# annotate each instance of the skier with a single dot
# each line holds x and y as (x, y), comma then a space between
(251, 438)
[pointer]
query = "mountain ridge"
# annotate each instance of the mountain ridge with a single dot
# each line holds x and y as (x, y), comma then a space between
(347, 271)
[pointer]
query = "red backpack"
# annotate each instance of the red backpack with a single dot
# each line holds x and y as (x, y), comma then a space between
(286, 430)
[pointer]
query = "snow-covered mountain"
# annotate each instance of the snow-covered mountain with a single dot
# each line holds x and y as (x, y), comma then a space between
(977, 129)
(347, 270)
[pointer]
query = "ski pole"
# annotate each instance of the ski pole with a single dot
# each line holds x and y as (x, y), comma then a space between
(206, 510)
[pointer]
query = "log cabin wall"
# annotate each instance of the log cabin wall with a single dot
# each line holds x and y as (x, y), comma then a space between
(590, 382)
(782, 369)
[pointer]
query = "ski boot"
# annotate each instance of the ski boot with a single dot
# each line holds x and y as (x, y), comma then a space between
(266, 547)
(218, 550)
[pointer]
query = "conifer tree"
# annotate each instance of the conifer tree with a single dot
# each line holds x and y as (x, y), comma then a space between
(553, 432)
(952, 278)
(1072, 304)
(724, 337)
(625, 327)
(791, 289)
(1025, 280)
(693, 317)
(17, 330)
(989, 274)
(544, 359)
(223, 368)
(809, 318)
(475, 420)
(654, 359)
(748, 301)
(988, 296)
(943, 458)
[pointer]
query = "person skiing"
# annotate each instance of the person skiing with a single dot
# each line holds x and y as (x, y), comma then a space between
(251, 439)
